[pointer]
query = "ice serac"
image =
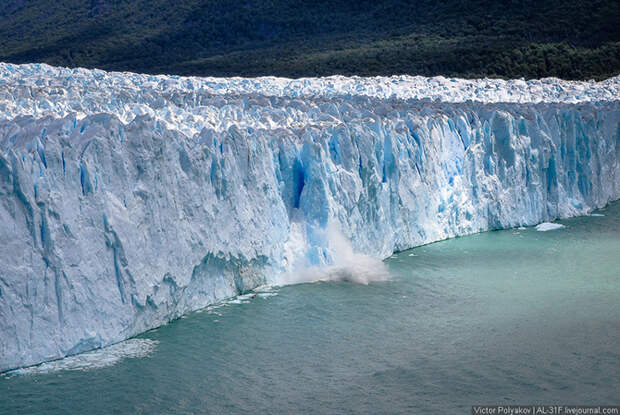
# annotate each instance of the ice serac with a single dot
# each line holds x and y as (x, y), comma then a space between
(128, 200)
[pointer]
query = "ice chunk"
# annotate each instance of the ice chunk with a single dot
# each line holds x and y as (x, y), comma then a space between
(548, 226)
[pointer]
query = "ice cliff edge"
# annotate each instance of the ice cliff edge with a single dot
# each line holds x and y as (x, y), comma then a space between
(128, 200)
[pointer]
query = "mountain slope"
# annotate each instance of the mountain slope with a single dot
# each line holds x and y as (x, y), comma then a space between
(568, 39)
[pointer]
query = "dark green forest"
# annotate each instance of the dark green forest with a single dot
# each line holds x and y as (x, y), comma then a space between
(571, 39)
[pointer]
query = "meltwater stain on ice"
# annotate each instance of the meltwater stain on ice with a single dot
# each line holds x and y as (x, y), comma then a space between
(96, 359)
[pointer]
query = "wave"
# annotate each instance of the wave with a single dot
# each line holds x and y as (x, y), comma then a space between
(96, 359)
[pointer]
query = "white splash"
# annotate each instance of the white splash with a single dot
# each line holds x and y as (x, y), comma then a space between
(345, 264)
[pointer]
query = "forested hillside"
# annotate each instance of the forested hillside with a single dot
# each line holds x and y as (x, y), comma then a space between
(570, 39)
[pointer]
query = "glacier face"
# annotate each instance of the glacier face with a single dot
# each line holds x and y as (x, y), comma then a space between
(128, 200)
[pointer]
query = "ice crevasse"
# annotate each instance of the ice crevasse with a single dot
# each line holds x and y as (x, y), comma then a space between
(128, 200)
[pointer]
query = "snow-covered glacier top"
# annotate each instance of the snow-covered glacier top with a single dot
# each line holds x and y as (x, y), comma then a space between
(436, 88)
(39, 89)
(128, 200)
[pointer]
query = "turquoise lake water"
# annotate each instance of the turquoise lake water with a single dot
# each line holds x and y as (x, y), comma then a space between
(515, 316)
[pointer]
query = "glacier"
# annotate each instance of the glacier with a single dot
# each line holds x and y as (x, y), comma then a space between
(128, 200)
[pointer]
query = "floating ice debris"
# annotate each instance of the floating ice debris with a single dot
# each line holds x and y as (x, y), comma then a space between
(95, 359)
(265, 295)
(265, 289)
(548, 226)
(246, 296)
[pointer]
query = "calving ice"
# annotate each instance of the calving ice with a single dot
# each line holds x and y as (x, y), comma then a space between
(128, 200)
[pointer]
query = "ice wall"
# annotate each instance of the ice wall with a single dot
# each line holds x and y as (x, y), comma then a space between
(128, 200)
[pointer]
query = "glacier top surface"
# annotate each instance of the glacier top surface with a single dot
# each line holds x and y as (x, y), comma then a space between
(189, 104)
(436, 88)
